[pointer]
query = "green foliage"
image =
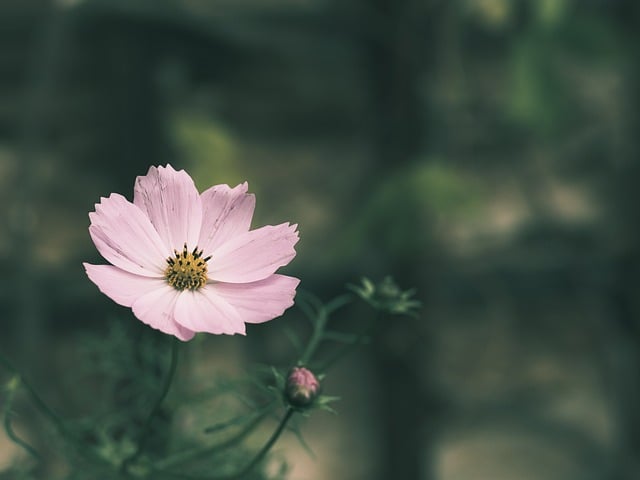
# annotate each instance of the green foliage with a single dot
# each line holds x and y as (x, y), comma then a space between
(132, 431)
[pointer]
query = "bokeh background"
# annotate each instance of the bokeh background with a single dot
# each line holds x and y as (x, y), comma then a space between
(484, 152)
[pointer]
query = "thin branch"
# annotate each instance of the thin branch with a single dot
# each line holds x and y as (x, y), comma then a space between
(251, 465)
(146, 429)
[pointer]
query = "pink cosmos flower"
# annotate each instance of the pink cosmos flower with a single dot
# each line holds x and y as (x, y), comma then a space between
(187, 262)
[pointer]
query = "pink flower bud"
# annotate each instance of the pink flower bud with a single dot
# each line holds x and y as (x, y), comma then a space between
(302, 387)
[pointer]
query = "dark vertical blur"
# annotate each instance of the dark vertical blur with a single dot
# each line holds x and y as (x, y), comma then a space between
(624, 296)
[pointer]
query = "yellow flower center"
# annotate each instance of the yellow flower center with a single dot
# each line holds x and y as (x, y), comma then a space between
(186, 270)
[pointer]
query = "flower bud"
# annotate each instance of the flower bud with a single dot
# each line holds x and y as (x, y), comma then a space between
(387, 296)
(302, 387)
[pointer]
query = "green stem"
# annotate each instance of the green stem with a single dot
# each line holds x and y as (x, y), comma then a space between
(6, 411)
(146, 429)
(369, 331)
(45, 410)
(192, 455)
(316, 337)
(251, 465)
(267, 446)
(40, 404)
(344, 350)
(322, 318)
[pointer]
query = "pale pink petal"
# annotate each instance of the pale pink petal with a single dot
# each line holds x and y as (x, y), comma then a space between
(226, 213)
(260, 301)
(157, 309)
(205, 311)
(122, 287)
(172, 203)
(124, 236)
(254, 255)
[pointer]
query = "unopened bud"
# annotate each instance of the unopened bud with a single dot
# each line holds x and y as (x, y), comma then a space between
(387, 296)
(302, 387)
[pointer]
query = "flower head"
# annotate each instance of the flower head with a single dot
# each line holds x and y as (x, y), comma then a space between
(187, 262)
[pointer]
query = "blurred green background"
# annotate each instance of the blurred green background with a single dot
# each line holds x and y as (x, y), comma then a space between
(483, 151)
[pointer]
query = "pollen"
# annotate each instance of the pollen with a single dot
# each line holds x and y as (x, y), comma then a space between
(186, 269)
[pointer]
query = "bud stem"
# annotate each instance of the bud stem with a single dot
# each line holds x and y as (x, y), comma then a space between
(190, 455)
(250, 466)
(265, 449)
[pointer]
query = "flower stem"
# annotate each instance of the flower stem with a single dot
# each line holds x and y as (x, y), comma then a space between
(316, 337)
(267, 446)
(6, 413)
(344, 350)
(40, 404)
(192, 455)
(319, 325)
(146, 429)
(251, 465)
(45, 410)
(368, 332)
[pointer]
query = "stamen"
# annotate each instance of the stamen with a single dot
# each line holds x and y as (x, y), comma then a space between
(187, 270)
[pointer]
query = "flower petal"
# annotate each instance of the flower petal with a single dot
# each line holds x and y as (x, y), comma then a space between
(226, 213)
(172, 202)
(124, 236)
(260, 301)
(122, 287)
(254, 255)
(156, 309)
(205, 311)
